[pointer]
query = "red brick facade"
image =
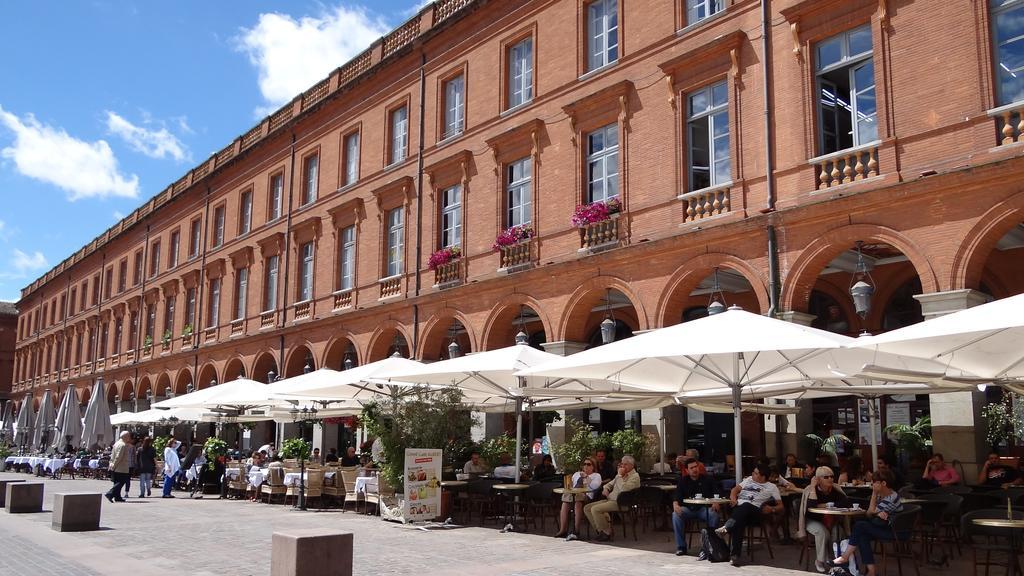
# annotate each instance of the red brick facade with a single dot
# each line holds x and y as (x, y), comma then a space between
(937, 189)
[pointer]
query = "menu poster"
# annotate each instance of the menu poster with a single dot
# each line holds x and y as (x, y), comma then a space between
(864, 424)
(422, 483)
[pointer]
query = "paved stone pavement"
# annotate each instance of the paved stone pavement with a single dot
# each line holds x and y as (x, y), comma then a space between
(158, 537)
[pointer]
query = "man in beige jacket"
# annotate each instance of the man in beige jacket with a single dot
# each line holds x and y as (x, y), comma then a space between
(597, 512)
(119, 470)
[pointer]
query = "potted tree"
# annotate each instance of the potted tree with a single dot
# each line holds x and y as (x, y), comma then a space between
(911, 440)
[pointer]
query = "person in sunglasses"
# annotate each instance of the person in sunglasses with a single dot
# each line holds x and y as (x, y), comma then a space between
(585, 478)
(821, 491)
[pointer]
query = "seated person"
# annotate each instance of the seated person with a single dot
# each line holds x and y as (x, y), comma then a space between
(754, 495)
(853, 473)
(626, 480)
(885, 503)
(332, 455)
(604, 466)
(665, 466)
(475, 465)
(790, 465)
(692, 453)
(938, 473)
(688, 487)
(777, 521)
(995, 474)
(545, 470)
(506, 470)
(585, 478)
(819, 493)
(315, 457)
(887, 463)
(267, 449)
(350, 458)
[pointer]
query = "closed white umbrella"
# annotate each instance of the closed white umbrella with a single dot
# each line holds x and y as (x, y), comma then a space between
(7, 426)
(69, 422)
(25, 422)
(97, 430)
(42, 435)
(57, 441)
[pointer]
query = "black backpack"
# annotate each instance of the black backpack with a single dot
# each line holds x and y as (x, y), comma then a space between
(712, 547)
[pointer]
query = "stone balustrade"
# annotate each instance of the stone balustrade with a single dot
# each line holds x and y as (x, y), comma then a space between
(390, 286)
(706, 203)
(448, 274)
(846, 166)
(600, 234)
(516, 255)
(302, 310)
(343, 299)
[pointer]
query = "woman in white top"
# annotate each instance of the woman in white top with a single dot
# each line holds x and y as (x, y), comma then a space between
(585, 478)
(172, 465)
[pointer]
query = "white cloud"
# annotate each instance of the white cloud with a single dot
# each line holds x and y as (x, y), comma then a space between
(82, 169)
(118, 216)
(291, 55)
(153, 143)
(414, 9)
(23, 263)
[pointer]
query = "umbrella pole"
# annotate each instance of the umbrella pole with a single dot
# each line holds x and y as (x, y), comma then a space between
(737, 431)
(519, 435)
(872, 419)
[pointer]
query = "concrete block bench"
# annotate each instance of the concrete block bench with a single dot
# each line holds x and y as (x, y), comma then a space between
(3, 490)
(24, 497)
(76, 512)
(311, 553)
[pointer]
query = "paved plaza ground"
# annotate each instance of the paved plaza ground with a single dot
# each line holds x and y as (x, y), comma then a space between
(157, 537)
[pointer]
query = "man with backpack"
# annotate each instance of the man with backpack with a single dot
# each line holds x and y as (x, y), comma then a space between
(690, 484)
(754, 495)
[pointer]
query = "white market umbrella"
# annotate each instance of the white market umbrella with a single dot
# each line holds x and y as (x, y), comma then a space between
(483, 375)
(354, 384)
(239, 394)
(984, 340)
(7, 426)
(96, 429)
(25, 422)
(726, 351)
(69, 421)
(46, 419)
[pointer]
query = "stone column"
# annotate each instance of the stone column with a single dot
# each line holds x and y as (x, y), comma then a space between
(958, 430)
(791, 427)
(559, 431)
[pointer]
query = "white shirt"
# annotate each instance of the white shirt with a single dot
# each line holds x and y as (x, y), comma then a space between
(505, 471)
(266, 448)
(593, 482)
(171, 462)
(661, 468)
(471, 468)
(757, 493)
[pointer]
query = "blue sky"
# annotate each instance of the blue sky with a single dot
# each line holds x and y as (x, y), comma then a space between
(104, 103)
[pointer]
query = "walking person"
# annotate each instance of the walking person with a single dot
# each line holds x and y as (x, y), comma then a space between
(119, 467)
(172, 465)
(147, 467)
(133, 463)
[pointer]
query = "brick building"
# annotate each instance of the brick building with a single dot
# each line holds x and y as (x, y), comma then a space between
(888, 143)
(8, 341)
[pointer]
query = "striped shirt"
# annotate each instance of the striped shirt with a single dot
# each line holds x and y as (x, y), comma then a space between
(890, 504)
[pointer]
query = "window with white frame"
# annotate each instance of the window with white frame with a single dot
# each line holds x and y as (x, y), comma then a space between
(241, 291)
(310, 172)
(347, 258)
(602, 33)
(519, 192)
(603, 164)
(172, 249)
(305, 272)
(195, 237)
(451, 217)
(1008, 35)
(218, 226)
(154, 259)
(276, 192)
(708, 136)
(351, 158)
(270, 284)
(395, 241)
(847, 111)
(697, 10)
(190, 307)
(150, 322)
(169, 304)
(520, 73)
(454, 106)
(213, 309)
(245, 213)
(399, 135)
(118, 335)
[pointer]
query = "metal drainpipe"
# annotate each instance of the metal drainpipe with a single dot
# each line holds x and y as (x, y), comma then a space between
(283, 293)
(413, 349)
(766, 72)
(142, 296)
(197, 329)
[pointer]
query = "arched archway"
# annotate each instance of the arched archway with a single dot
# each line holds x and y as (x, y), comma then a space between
(234, 370)
(440, 330)
(111, 391)
(833, 251)
(338, 350)
(84, 394)
(145, 385)
(265, 364)
(207, 377)
(299, 358)
(183, 381)
(515, 312)
(162, 386)
(595, 300)
(991, 249)
(692, 286)
(389, 337)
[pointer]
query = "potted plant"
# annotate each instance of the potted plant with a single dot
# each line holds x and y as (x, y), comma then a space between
(147, 343)
(296, 448)
(630, 442)
(492, 449)
(576, 447)
(444, 256)
(829, 445)
(599, 211)
(214, 449)
(167, 337)
(911, 440)
(512, 236)
(186, 332)
(159, 444)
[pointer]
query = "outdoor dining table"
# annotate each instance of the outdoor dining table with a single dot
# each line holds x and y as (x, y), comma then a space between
(707, 502)
(845, 513)
(509, 492)
(576, 492)
(451, 486)
(54, 465)
(1013, 527)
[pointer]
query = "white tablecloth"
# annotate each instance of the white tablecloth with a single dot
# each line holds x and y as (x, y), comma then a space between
(231, 473)
(36, 461)
(52, 465)
(10, 459)
(94, 464)
(292, 478)
(366, 485)
(258, 476)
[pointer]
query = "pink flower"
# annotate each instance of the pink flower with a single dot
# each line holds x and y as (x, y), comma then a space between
(595, 212)
(513, 235)
(444, 256)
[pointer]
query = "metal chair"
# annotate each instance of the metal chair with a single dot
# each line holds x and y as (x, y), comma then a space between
(539, 501)
(988, 540)
(629, 509)
(903, 525)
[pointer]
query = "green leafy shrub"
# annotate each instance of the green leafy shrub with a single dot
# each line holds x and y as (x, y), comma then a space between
(296, 448)
(213, 449)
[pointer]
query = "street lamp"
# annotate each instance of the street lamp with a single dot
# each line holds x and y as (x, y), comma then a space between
(522, 337)
(716, 303)
(348, 364)
(861, 285)
(271, 377)
(608, 324)
(300, 417)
